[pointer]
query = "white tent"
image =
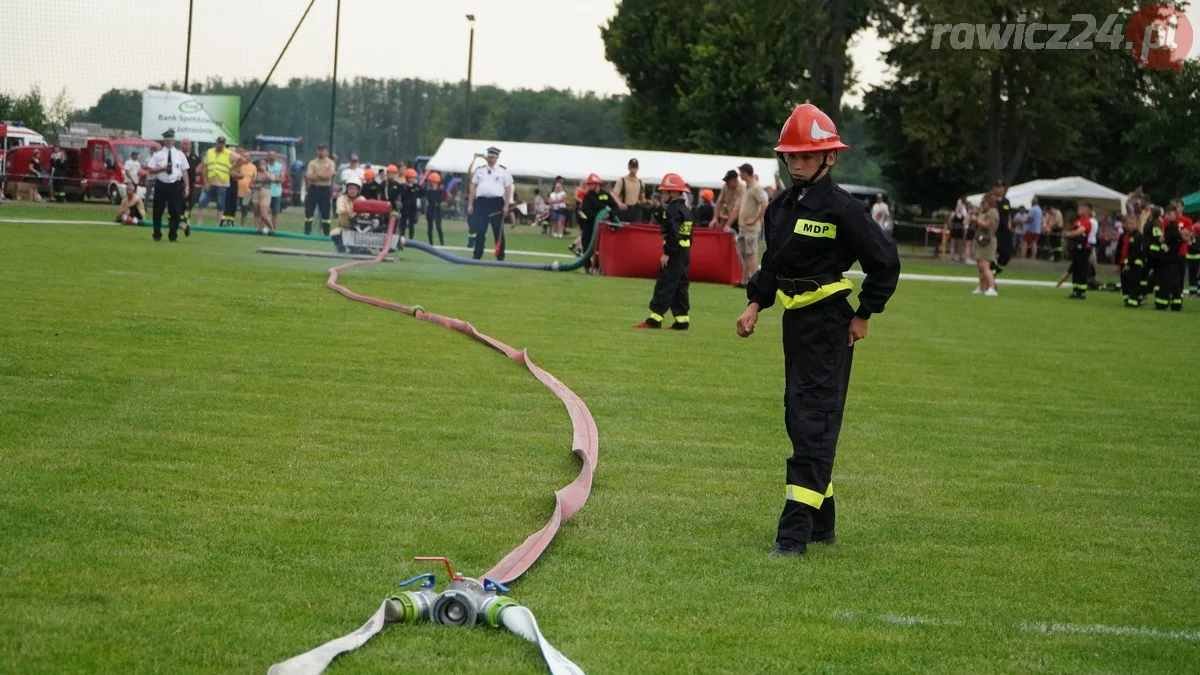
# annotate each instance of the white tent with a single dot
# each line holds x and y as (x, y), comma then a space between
(575, 162)
(1073, 188)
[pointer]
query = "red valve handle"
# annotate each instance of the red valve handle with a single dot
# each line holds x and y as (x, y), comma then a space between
(449, 570)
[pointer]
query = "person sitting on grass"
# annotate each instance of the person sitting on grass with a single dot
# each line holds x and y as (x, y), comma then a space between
(345, 210)
(133, 207)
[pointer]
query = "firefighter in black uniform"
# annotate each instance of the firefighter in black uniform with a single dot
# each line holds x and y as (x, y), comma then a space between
(1081, 252)
(372, 190)
(1193, 259)
(671, 288)
(1168, 273)
(58, 174)
(408, 203)
(433, 195)
(1004, 239)
(1152, 235)
(815, 231)
(596, 200)
(1129, 261)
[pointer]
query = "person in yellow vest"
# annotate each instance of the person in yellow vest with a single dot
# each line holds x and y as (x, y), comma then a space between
(215, 169)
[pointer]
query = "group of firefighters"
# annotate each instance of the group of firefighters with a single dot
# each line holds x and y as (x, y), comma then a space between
(1158, 254)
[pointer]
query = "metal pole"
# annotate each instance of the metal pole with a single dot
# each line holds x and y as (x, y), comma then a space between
(187, 58)
(337, 31)
(277, 60)
(470, 62)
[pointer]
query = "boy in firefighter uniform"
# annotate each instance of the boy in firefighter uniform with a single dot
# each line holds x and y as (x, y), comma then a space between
(1192, 237)
(1169, 272)
(344, 210)
(594, 201)
(815, 232)
(408, 203)
(433, 195)
(671, 288)
(1081, 253)
(1152, 238)
(1129, 262)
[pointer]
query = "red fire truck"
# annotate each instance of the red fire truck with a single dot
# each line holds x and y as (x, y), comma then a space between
(94, 165)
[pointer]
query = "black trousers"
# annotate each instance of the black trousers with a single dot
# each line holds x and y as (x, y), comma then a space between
(1193, 265)
(488, 210)
(1081, 262)
(817, 363)
(1131, 284)
(408, 222)
(231, 205)
(168, 197)
(671, 288)
(586, 229)
(1004, 246)
(316, 199)
(433, 214)
(1169, 278)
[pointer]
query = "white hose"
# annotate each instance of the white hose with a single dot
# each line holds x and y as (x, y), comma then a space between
(520, 620)
(316, 661)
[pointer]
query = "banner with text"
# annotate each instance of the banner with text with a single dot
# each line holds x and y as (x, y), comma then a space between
(200, 118)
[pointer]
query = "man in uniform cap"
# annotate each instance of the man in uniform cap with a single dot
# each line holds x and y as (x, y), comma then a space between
(487, 203)
(169, 167)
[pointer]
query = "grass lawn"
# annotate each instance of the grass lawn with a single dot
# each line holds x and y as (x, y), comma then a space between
(211, 463)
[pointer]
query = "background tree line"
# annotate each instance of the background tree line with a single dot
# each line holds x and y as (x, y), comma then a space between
(723, 75)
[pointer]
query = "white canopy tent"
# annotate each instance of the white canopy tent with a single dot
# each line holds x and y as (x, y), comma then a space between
(1073, 188)
(575, 162)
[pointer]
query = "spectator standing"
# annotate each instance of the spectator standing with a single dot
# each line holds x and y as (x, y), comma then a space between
(218, 161)
(726, 209)
(58, 174)
(1052, 228)
(133, 169)
(1017, 227)
(753, 206)
(185, 146)
(319, 181)
(246, 183)
(558, 209)
(630, 194)
(276, 169)
(958, 228)
(260, 196)
(881, 214)
(352, 171)
(1033, 230)
(171, 188)
(987, 226)
(487, 202)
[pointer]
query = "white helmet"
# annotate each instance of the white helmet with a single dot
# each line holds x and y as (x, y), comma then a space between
(355, 182)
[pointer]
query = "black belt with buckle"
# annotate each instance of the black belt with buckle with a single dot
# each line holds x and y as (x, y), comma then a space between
(807, 284)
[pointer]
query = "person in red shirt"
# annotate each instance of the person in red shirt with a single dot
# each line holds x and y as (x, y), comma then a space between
(1187, 230)
(1081, 252)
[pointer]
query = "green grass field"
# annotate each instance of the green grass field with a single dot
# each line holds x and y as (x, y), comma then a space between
(210, 463)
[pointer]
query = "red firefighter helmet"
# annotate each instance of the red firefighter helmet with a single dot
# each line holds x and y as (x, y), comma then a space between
(808, 129)
(672, 183)
(594, 179)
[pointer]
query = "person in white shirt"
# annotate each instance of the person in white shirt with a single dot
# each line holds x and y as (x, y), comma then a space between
(169, 167)
(558, 208)
(488, 202)
(352, 171)
(133, 209)
(133, 169)
(881, 214)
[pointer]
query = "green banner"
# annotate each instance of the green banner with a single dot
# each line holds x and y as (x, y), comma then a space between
(199, 118)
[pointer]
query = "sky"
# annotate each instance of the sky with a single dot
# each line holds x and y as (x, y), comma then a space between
(518, 43)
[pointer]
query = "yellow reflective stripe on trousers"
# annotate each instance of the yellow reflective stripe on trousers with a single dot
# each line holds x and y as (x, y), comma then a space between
(795, 493)
(682, 319)
(656, 316)
(806, 299)
(685, 243)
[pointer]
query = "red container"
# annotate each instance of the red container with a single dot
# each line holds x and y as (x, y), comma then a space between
(634, 251)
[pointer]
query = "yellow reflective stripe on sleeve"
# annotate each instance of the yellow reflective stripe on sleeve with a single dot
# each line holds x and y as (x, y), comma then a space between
(816, 228)
(806, 299)
(681, 319)
(685, 243)
(1193, 256)
(656, 316)
(795, 493)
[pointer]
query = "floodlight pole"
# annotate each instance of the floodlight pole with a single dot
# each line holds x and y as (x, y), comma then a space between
(470, 62)
(187, 58)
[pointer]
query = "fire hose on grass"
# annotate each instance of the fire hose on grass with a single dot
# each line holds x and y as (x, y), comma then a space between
(467, 601)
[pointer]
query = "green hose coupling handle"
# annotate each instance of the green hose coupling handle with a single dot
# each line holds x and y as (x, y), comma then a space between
(417, 308)
(494, 608)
